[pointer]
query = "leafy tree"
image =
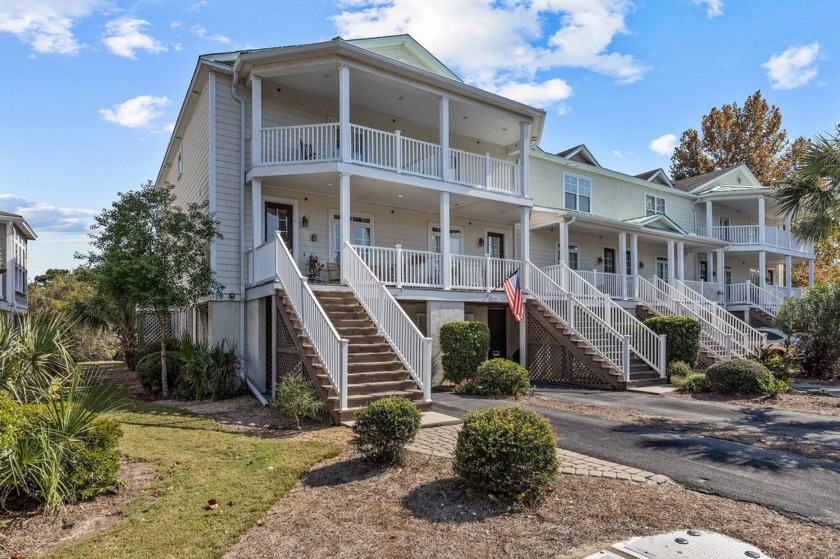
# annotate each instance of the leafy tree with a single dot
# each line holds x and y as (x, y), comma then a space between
(814, 318)
(826, 265)
(734, 135)
(812, 196)
(154, 254)
(50, 276)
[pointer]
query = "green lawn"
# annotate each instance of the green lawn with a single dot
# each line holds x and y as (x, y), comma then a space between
(197, 461)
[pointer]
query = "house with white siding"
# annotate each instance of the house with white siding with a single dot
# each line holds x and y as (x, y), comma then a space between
(15, 235)
(367, 196)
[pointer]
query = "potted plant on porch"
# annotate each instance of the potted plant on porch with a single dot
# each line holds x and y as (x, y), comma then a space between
(315, 268)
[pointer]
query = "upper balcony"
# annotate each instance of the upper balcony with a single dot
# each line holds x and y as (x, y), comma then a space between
(749, 238)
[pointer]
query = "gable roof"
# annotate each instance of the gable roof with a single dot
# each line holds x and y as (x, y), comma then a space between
(692, 183)
(405, 49)
(655, 175)
(581, 154)
(658, 221)
(18, 220)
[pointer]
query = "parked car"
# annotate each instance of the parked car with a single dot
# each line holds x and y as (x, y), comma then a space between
(776, 338)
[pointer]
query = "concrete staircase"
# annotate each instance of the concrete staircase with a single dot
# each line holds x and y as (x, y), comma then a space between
(641, 374)
(374, 370)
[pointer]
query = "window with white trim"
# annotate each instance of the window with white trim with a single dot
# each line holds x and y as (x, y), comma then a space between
(578, 193)
(20, 264)
(654, 205)
(361, 233)
(574, 257)
(180, 162)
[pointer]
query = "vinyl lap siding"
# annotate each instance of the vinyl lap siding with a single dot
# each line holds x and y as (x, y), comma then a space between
(192, 186)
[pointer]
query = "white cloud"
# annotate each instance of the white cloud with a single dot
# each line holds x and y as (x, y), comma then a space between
(714, 8)
(46, 25)
(664, 145)
(139, 112)
(537, 94)
(617, 153)
(794, 67)
(505, 46)
(200, 32)
(46, 217)
(124, 36)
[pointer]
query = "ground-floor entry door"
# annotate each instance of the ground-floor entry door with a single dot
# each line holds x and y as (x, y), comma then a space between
(497, 323)
(280, 217)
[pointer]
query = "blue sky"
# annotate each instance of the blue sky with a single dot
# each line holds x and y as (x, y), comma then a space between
(92, 87)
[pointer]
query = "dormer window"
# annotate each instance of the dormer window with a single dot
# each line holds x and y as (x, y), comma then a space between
(654, 205)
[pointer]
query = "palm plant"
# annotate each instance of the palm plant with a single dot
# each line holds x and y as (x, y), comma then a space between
(812, 196)
(211, 370)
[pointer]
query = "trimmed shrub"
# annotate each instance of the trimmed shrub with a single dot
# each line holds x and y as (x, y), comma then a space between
(683, 337)
(507, 452)
(210, 371)
(296, 398)
(742, 376)
(11, 422)
(465, 346)
(500, 377)
(814, 318)
(692, 382)
(148, 373)
(132, 356)
(93, 463)
(383, 428)
(679, 369)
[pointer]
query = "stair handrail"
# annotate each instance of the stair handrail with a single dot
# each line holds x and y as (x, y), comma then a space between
(717, 342)
(764, 298)
(606, 341)
(745, 338)
(644, 342)
(412, 347)
(329, 346)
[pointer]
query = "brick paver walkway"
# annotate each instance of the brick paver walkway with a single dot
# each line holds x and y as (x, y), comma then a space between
(440, 441)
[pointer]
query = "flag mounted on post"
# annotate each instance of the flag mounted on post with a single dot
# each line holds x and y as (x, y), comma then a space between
(513, 292)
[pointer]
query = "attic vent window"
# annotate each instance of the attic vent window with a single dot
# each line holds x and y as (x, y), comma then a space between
(180, 163)
(739, 180)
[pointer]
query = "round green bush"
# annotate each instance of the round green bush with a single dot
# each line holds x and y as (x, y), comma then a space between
(465, 346)
(507, 452)
(692, 382)
(11, 421)
(682, 342)
(679, 369)
(500, 377)
(742, 376)
(384, 427)
(93, 463)
(148, 372)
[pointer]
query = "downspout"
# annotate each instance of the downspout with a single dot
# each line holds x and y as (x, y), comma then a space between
(242, 304)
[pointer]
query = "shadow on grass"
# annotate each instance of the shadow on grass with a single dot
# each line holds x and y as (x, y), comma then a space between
(447, 500)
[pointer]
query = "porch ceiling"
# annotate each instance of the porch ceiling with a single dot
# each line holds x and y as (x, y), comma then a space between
(395, 195)
(403, 103)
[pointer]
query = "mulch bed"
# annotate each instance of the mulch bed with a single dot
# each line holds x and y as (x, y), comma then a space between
(346, 509)
(795, 401)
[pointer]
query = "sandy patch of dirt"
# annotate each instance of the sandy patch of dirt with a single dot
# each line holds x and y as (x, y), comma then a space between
(32, 532)
(346, 509)
(794, 401)
(753, 437)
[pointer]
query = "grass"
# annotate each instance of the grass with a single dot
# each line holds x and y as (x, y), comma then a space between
(195, 461)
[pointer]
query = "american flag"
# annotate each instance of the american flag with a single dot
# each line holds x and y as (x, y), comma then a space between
(513, 292)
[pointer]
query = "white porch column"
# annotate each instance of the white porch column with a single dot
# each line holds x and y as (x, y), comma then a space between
(622, 259)
(721, 268)
(524, 151)
(10, 263)
(256, 121)
(680, 260)
(762, 268)
(344, 217)
(761, 216)
(446, 264)
(788, 272)
(634, 261)
(562, 242)
(709, 220)
(257, 211)
(525, 241)
(671, 263)
(344, 112)
(444, 137)
(810, 273)
(710, 267)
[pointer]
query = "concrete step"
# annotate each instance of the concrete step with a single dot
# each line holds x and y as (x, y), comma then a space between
(647, 382)
(349, 414)
(645, 375)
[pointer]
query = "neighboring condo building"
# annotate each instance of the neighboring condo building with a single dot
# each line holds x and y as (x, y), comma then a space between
(15, 235)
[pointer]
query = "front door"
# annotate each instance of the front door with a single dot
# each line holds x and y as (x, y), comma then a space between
(662, 268)
(497, 323)
(609, 260)
(280, 217)
(496, 245)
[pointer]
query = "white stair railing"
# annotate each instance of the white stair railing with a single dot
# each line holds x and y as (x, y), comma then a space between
(606, 341)
(748, 293)
(410, 345)
(644, 342)
(712, 339)
(745, 338)
(316, 325)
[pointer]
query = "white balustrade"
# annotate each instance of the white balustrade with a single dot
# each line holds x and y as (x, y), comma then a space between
(605, 282)
(707, 289)
(299, 144)
(504, 177)
(420, 158)
(373, 147)
(263, 263)
(582, 320)
(747, 293)
(750, 235)
(646, 344)
(410, 345)
(467, 168)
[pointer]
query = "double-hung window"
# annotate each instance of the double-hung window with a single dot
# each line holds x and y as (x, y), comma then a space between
(654, 205)
(578, 191)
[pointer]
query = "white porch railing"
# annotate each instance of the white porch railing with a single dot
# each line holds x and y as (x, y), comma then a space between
(262, 263)
(745, 338)
(644, 342)
(751, 235)
(387, 150)
(748, 293)
(580, 319)
(715, 341)
(785, 291)
(608, 283)
(327, 344)
(410, 345)
(710, 291)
